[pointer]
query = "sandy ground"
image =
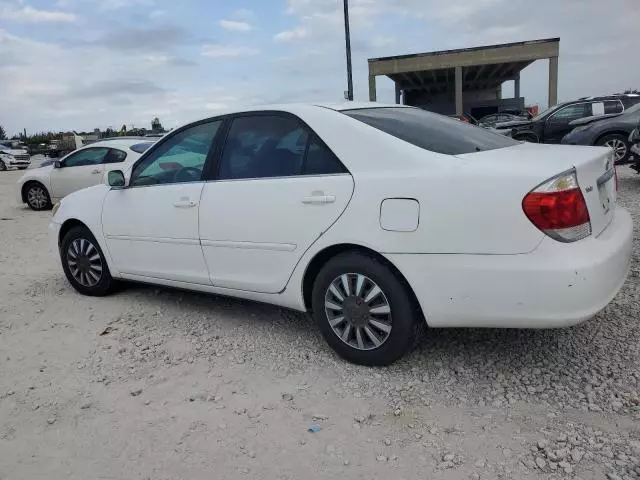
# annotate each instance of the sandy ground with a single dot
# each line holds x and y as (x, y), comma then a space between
(161, 384)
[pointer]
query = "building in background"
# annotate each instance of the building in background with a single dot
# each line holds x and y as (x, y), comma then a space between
(467, 80)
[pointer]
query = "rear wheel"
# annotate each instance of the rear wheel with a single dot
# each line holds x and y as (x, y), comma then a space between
(84, 264)
(37, 196)
(364, 311)
(620, 146)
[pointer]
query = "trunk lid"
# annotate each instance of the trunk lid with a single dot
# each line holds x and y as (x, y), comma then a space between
(534, 164)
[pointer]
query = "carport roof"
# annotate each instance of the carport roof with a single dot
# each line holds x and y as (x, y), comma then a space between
(482, 67)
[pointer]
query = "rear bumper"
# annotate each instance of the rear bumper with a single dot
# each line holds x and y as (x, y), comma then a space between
(557, 285)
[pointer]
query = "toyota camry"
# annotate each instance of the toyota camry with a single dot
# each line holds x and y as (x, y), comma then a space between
(379, 220)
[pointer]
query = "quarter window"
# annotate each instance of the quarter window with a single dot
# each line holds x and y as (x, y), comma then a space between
(87, 157)
(179, 159)
(612, 106)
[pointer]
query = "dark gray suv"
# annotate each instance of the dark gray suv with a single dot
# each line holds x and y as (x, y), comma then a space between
(609, 130)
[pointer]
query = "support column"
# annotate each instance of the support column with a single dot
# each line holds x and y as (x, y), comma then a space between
(398, 92)
(516, 86)
(459, 107)
(553, 81)
(499, 92)
(372, 88)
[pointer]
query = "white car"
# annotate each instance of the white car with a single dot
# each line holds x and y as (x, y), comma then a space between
(387, 219)
(41, 187)
(13, 158)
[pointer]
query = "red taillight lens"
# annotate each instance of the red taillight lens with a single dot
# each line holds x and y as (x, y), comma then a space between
(558, 208)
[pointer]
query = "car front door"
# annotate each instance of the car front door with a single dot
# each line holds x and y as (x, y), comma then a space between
(78, 170)
(151, 227)
(557, 125)
(277, 188)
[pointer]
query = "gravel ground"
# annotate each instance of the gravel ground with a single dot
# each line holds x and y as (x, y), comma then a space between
(161, 384)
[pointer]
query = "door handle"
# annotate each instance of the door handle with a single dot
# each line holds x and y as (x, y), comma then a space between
(96, 172)
(318, 199)
(185, 204)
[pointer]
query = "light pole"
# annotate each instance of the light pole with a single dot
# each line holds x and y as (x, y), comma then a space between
(347, 37)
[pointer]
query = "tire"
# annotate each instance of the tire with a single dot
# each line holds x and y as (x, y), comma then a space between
(3, 167)
(88, 271)
(22, 168)
(620, 145)
(37, 196)
(403, 320)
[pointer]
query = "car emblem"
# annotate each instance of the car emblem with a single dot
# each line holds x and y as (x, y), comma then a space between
(589, 189)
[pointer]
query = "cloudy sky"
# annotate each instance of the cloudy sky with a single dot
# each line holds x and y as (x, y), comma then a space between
(81, 64)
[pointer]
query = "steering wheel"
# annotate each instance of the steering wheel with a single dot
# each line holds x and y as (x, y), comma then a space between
(187, 174)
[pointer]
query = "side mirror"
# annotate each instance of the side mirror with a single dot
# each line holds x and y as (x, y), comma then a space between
(57, 164)
(115, 179)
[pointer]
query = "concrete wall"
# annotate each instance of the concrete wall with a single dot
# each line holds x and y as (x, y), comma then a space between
(446, 105)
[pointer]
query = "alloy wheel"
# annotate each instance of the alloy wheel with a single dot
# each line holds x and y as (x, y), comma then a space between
(619, 148)
(37, 197)
(358, 311)
(85, 263)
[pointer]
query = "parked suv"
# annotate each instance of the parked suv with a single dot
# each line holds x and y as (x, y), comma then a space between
(610, 131)
(11, 156)
(552, 124)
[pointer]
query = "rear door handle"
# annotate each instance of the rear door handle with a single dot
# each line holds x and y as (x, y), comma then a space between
(185, 204)
(96, 172)
(319, 199)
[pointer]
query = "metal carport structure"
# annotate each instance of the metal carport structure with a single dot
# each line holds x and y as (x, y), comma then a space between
(454, 73)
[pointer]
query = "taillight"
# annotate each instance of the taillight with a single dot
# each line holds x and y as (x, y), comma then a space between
(557, 207)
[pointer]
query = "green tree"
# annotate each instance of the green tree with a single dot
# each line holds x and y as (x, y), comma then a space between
(3, 133)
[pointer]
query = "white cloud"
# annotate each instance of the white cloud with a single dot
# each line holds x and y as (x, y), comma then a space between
(291, 35)
(157, 13)
(33, 15)
(245, 13)
(227, 51)
(117, 4)
(234, 26)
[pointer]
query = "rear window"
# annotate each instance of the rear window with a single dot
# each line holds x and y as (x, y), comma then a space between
(431, 131)
(141, 147)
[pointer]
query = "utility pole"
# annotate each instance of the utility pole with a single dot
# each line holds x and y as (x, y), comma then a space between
(347, 36)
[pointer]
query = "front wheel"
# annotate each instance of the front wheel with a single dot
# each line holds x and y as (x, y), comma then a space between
(620, 146)
(3, 166)
(364, 311)
(84, 264)
(37, 196)
(22, 168)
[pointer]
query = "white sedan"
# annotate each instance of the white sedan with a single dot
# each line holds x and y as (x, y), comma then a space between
(377, 219)
(41, 187)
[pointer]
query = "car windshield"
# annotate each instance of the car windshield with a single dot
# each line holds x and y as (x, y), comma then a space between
(433, 132)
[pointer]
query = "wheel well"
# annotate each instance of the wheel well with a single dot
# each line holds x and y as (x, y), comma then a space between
(23, 191)
(68, 225)
(323, 256)
(615, 132)
(528, 133)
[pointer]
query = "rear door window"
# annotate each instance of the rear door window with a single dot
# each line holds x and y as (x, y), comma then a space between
(431, 131)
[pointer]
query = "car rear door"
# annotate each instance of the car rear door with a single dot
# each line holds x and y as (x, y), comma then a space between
(80, 169)
(276, 188)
